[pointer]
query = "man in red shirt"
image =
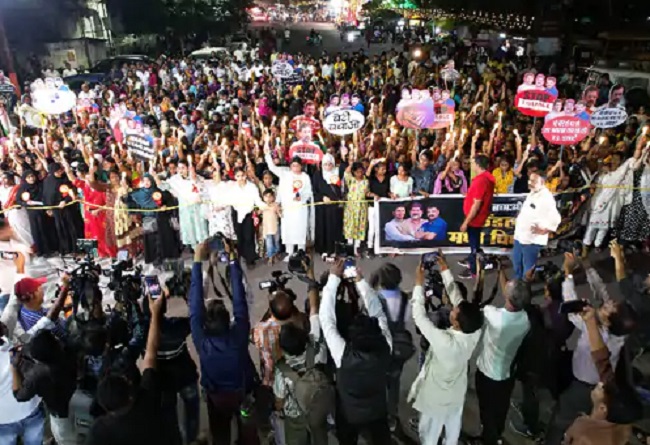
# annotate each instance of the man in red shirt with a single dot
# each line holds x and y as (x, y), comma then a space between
(477, 207)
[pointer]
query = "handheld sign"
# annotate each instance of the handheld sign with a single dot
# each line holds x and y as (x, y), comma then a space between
(535, 96)
(51, 96)
(282, 70)
(141, 146)
(415, 109)
(309, 153)
(565, 130)
(608, 117)
(343, 122)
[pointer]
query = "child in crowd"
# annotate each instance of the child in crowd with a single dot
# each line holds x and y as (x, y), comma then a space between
(270, 225)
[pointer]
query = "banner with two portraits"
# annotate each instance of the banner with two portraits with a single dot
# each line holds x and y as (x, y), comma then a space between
(416, 226)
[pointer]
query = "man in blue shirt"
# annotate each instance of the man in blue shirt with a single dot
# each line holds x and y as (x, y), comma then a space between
(227, 372)
(435, 227)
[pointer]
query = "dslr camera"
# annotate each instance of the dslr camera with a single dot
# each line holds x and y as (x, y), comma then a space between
(277, 282)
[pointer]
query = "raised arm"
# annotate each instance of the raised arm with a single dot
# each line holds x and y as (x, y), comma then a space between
(197, 305)
(374, 308)
(327, 315)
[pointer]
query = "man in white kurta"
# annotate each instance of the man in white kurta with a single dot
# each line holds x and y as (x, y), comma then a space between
(294, 195)
(186, 186)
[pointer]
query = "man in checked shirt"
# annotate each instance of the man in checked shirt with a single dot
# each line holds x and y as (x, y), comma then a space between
(266, 333)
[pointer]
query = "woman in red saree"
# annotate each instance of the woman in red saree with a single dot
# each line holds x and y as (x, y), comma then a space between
(94, 213)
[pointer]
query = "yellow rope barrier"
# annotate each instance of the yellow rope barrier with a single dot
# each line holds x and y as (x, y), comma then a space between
(311, 204)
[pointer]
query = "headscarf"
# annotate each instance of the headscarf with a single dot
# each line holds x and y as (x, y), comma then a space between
(327, 175)
(35, 190)
(52, 186)
(143, 197)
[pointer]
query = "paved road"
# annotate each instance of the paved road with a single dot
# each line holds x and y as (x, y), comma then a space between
(332, 42)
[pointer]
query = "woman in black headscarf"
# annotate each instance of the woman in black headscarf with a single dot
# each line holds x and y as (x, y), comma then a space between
(58, 191)
(161, 237)
(30, 194)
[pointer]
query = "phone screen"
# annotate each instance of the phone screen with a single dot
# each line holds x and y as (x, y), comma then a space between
(153, 286)
(122, 255)
(573, 306)
(430, 257)
(350, 269)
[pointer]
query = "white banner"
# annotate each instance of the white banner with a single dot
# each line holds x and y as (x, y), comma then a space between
(282, 70)
(608, 117)
(343, 122)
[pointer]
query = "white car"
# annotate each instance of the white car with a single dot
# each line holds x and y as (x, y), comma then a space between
(211, 52)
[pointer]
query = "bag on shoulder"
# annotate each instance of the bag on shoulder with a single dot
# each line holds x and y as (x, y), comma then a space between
(403, 346)
(312, 390)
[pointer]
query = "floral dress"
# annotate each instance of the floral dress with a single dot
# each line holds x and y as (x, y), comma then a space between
(355, 213)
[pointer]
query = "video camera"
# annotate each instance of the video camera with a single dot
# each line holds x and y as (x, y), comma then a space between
(125, 279)
(433, 285)
(278, 281)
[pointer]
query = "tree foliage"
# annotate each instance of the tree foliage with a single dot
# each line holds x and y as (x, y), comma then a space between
(177, 16)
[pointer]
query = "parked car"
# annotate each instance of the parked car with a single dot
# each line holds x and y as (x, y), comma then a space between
(99, 72)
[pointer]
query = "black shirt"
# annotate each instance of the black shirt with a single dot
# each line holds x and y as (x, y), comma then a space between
(55, 384)
(138, 425)
(381, 189)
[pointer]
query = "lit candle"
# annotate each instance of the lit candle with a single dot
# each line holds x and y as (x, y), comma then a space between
(500, 116)
(516, 133)
(645, 130)
(189, 159)
(447, 136)
(601, 140)
(273, 120)
(478, 132)
(123, 176)
(495, 127)
(464, 131)
(113, 150)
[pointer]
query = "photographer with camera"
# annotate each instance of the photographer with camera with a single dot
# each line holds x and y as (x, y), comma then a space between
(362, 361)
(24, 419)
(438, 392)
(616, 319)
(303, 392)
(46, 368)
(386, 281)
(133, 411)
(614, 403)
(504, 330)
(227, 372)
(178, 379)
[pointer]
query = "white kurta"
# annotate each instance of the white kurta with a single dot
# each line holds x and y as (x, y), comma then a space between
(194, 228)
(18, 219)
(219, 216)
(297, 223)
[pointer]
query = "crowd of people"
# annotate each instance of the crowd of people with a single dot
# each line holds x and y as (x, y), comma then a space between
(221, 135)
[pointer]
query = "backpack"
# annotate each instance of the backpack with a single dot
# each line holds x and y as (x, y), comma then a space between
(312, 390)
(403, 346)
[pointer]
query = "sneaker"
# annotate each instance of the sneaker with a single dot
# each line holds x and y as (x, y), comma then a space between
(522, 430)
(464, 263)
(466, 275)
